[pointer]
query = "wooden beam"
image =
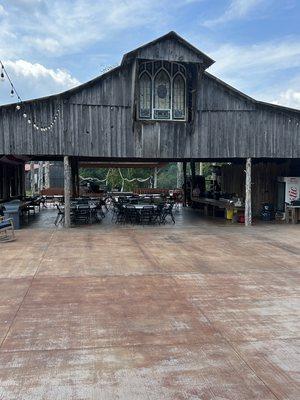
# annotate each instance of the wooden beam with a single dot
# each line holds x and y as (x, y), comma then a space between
(32, 183)
(155, 176)
(40, 176)
(179, 182)
(47, 174)
(200, 168)
(184, 184)
(248, 206)
(67, 190)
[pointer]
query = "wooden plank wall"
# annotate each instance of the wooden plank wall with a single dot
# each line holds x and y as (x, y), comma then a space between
(12, 181)
(169, 50)
(264, 178)
(98, 120)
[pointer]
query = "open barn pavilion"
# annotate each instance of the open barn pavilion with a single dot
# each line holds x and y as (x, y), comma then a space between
(192, 310)
(159, 105)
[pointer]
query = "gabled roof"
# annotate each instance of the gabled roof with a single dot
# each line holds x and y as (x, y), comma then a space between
(162, 48)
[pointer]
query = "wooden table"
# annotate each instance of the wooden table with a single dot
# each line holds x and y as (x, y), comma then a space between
(216, 204)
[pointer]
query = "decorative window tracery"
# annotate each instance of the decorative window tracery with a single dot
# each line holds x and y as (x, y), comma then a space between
(145, 95)
(178, 97)
(162, 90)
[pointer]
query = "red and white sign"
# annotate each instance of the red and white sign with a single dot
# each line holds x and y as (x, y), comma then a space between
(293, 193)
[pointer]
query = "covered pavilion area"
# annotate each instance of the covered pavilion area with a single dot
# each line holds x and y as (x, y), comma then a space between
(199, 309)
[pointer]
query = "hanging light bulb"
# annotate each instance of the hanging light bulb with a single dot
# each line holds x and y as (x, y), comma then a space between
(24, 115)
(18, 107)
(29, 121)
(12, 92)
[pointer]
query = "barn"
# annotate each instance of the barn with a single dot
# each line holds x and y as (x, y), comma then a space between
(160, 104)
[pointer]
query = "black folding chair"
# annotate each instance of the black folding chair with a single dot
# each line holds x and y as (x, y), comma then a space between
(168, 210)
(132, 215)
(60, 218)
(82, 214)
(147, 215)
(119, 213)
(158, 213)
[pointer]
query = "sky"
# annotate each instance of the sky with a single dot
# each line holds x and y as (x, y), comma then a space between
(49, 46)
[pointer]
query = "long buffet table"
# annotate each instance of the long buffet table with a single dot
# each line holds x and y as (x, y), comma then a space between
(211, 206)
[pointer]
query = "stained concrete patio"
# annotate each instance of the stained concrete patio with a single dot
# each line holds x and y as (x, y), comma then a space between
(199, 310)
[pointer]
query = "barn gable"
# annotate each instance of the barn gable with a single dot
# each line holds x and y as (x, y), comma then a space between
(170, 47)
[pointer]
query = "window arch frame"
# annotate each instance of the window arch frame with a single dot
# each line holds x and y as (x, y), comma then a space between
(146, 73)
(179, 73)
(180, 69)
(154, 108)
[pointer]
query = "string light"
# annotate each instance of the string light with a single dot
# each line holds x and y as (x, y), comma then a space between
(2, 72)
(21, 105)
(36, 126)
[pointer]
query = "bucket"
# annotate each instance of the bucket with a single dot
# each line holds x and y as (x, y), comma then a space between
(229, 213)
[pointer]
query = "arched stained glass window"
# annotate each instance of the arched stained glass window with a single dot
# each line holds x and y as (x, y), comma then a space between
(145, 95)
(162, 95)
(178, 108)
(162, 90)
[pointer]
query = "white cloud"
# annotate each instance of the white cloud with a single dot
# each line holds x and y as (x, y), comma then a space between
(257, 58)
(2, 11)
(289, 98)
(36, 80)
(25, 69)
(64, 27)
(265, 71)
(237, 9)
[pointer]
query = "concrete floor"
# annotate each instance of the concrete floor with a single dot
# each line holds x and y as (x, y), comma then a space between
(199, 310)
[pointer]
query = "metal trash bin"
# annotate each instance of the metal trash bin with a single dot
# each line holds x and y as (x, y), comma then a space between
(12, 210)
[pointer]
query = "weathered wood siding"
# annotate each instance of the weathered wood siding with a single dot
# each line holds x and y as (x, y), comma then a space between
(264, 181)
(98, 120)
(168, 50)
(231, 125)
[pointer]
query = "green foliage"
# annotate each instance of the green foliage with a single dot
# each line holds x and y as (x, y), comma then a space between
(167, 176)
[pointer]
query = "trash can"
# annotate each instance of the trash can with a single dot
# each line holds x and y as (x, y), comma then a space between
(12, 210)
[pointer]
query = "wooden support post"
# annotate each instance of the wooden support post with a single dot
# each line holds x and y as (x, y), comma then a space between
(23, 186)
(200, 168)
(155, 177)
(248, 207)
(184, 184)
(32, 178)
(77, 178)
(67, 190)
(179, 182)
(40, 176)
(47, 174)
